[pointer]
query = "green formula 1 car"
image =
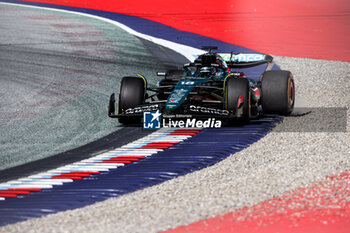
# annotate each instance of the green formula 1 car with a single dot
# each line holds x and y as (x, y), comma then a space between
(212, 86)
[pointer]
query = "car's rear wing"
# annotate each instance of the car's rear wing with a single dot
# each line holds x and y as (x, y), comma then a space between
(245, 60)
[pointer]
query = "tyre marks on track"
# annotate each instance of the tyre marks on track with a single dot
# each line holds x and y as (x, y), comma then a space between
(55, 87)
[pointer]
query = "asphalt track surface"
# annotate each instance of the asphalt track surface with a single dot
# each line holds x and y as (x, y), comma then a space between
(56, 70)
(318, 159)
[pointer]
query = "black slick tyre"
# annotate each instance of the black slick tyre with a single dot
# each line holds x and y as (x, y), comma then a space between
(132, 93)
(278, 92)
(235, 89)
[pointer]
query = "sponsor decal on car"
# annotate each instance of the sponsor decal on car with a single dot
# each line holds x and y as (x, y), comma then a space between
(187, 82)
(214, 111)
(147, 108)
(246, 57)
(177, 95)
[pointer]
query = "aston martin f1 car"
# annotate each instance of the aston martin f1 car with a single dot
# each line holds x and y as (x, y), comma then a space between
(211, 86)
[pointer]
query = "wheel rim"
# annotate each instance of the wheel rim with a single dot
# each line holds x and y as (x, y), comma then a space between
(291, 94)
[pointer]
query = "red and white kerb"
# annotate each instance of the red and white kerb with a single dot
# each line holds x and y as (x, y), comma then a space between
(135, 151)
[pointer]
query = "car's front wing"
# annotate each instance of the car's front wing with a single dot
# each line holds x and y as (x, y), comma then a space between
(185, 111)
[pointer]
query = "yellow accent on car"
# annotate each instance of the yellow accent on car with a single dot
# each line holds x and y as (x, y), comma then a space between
(145, 80)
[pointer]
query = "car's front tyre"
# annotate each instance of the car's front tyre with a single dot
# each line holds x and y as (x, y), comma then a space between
(132, 93)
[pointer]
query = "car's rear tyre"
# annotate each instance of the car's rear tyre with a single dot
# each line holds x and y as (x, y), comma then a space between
(278, 92)
(235, 89)
(132, 93)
